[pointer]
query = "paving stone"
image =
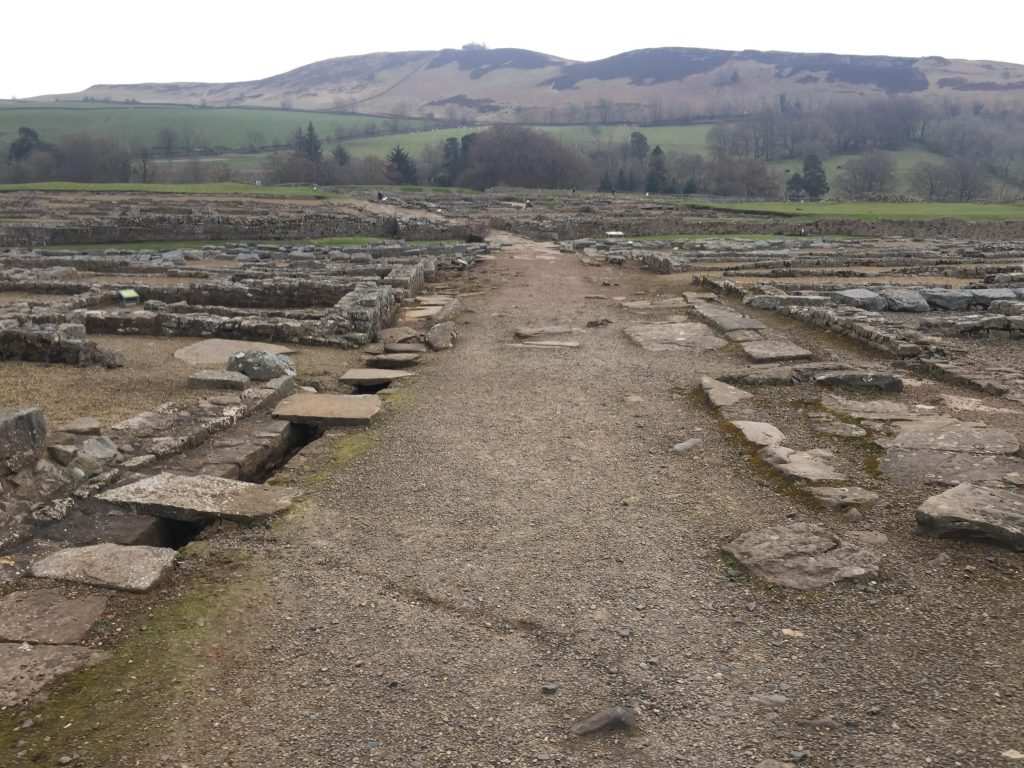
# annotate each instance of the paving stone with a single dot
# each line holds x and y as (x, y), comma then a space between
(218, 380)
(974, 510)
(840, 429)
(548, 344)
(738, 336)
(726, 320)
(132, 569)
(26, 670)
(46, 616)
(328, 410)
(395, 360)
(760, 433)
(871, 410)
(200, 497)
(942, 433)
(811, 466)
(675, 337)
(802, 556)
(909, 467)
(214, 353)
(369, 377)
(774, 351)
(722, 395)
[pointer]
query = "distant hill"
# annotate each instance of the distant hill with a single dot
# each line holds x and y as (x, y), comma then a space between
(645, 85)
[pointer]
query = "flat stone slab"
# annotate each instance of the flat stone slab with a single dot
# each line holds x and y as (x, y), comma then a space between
(810, 466)
(802, 556)
(725, 320)
(675, 337)
(870, 410)
(422, 313)
(774, 351)
(195, 498)
(86, 425)
(231, 380)
(548, 344)
(405, 348)
(760, 433)
(132, 569)
(370, 377)
(739, 336)
(328, 410)
(867, 380)
(941, 433)
(26, 670)
(974, 510)
(395, 360)
(840, 429)
(722, 395)
(909, 467)
(214, 353)
(46, 616)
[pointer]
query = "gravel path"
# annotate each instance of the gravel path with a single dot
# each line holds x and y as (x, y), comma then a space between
(519, 522)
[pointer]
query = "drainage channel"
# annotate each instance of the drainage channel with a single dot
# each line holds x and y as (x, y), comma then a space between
(251, 451)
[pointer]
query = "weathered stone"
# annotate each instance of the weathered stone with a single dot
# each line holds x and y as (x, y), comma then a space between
(371, 377)
(905, 300)
(328, 410)
(26, 670)
(739, 336)
(722, 395)
(213, 352)
(613, 718)
(862, 298)
(675, 337)
(840, 429)
(63, 454)
(395, 360)
(872, 410)
(218, 380)
(22, 438)
(46, 616)
(399, 335)
(261, 366)
(909, 467)
(942, 298)
(724, 319)
(441, 336)
(774, 351)
(405, 348)
(882, 382)
(548, 344)
(941, 433)
(759, 433)
(132, 569)
(200, 497)
(802, 556)
(842, 499)
(810, 466)
(85, 425)
(974, 510)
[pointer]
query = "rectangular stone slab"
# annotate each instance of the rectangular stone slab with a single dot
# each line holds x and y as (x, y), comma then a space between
(975, 510)
(23, 673)
(675, 337)
(195, 498)
(368, 377)
(328, 410)
(46, 616)
(774, 351)
(132, 569)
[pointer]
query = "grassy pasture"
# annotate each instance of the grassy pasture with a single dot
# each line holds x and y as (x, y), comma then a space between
(875, 211)
(210, 127)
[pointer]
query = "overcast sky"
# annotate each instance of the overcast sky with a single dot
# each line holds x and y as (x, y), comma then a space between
(68, 45)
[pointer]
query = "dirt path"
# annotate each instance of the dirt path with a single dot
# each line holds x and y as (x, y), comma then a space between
(519, 520)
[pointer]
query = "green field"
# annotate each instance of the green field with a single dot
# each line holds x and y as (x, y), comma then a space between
(205, 127)
(874, 211)
(673, 138)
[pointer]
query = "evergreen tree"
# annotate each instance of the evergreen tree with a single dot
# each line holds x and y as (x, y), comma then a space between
(690, 187)
(606, 183)
(451, 163)
(657, 172)
(795, 187)
(638, 146)
(815, 182)
(401, 168)
(622, 183)
(341, 155)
